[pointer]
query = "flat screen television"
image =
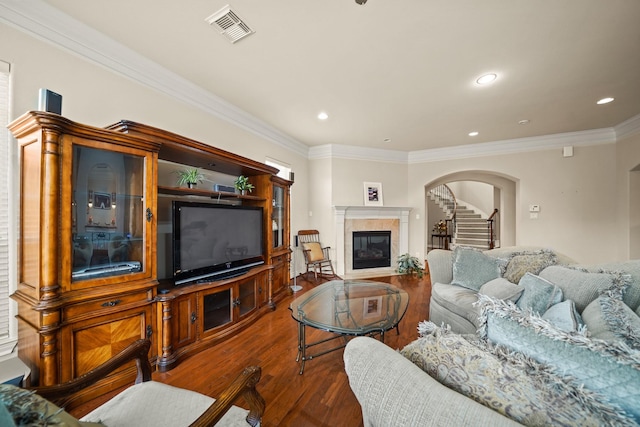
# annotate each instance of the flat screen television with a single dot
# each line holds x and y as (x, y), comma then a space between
(212, 241)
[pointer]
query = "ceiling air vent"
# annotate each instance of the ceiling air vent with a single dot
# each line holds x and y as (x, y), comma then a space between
(229, 24)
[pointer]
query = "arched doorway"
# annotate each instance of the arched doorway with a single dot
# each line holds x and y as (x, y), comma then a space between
(505, 196)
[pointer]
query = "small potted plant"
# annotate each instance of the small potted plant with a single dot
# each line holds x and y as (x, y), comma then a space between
(243, 185)
(190, 177)
(408, 264)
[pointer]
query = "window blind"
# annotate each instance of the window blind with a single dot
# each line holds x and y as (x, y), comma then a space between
(7, 328)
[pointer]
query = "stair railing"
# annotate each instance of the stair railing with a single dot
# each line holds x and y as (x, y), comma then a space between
(444, 193)
(491, 229)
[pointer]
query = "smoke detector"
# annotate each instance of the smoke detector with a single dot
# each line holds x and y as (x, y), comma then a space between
(230, 24)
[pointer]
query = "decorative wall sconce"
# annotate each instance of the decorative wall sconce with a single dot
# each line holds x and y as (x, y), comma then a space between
(113, 200)
(90, 204)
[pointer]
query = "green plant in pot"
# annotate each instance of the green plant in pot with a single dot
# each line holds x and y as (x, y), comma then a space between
(189, 177)
(243, 185)
(408, 264)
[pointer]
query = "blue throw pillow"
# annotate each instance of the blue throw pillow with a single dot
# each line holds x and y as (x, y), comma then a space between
(564, 316)
(472, 268)
(539, 294)
(610, 369)
(6, 420)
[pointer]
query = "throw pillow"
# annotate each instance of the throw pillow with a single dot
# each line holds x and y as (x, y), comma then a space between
(538, 294)
(582, 286)
(6, 419)
(611, 320)
(528, 262)
(512, 385)
(501, 288)
(29, 409)
(610, 369)
(315, 251)
(472, 268)
(564, 316)
(631, 295)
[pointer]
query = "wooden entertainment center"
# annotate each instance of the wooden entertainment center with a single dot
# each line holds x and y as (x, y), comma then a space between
(88, 282)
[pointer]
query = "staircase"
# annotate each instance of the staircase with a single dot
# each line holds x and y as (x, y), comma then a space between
(471, 229)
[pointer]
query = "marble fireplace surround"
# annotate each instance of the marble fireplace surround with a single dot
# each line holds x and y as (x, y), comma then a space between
(369, 218)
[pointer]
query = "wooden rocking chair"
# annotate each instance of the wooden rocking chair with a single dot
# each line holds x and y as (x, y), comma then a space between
(316, 257)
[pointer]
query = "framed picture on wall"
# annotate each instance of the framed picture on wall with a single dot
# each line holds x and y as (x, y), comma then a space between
(373, 194)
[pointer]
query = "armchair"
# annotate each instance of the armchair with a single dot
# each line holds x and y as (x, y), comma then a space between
(316, 257)
(151, 403)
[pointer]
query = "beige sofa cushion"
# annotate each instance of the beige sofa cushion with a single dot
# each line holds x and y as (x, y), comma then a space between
(611, 320)
(153, 404)
(583, 286)
(458, 300)
(393, 392)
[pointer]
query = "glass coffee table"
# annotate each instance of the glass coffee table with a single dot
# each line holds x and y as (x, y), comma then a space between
(347, 308)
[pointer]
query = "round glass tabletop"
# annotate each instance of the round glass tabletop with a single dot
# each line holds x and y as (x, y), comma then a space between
(351, 307)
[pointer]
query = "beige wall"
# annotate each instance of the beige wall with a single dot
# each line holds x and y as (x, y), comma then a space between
(574, 195)
(627, 219)
(577, 204)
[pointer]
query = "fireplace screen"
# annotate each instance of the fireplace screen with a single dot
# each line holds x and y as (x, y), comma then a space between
(371, 249)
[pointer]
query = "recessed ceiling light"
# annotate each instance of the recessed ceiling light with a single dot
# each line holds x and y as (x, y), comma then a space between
(486, 79)
(323, 116)
(605, 101)
(474, 133)
(387, 140)
(524, 122)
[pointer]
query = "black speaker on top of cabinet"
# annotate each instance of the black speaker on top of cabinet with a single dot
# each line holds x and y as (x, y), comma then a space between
(50, 101)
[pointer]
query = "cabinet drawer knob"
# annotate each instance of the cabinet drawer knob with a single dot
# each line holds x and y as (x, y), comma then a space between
(111, 303)
(193, 317)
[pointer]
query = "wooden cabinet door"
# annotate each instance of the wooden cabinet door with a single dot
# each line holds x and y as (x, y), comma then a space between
(184, 320)
(88, 343)
(280, 274)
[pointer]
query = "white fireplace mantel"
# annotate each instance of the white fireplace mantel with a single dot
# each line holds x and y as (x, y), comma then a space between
(368, 212)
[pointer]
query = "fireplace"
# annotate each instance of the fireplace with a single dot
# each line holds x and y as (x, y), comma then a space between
(371, 249)
(351, 219)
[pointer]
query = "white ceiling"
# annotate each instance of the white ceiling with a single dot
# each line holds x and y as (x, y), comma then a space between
(398, 69)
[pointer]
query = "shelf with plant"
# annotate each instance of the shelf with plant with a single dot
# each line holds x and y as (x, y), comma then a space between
(243, 185)
(189, 177)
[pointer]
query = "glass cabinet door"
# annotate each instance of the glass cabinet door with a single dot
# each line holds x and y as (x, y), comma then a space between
(247, 296)
(217, 309)
(107, 213)
(278, 216)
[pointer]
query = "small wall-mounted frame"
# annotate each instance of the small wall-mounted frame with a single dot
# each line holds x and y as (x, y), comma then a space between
(373, 194)
(372, 307)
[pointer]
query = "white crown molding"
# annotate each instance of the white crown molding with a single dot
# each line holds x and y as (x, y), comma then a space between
(352, 152)
(520, 145)
(49, 24)
(628, 127)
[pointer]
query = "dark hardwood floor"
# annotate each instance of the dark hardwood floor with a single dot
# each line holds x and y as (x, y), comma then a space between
(319, 397)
